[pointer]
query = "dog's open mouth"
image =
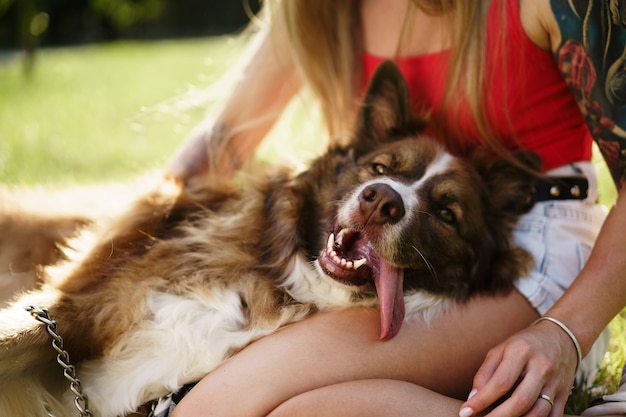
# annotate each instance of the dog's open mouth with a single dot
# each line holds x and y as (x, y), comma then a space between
(350, 258)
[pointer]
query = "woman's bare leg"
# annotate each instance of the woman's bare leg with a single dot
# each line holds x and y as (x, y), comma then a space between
(369, 398)
(340, 346)
(376, 398)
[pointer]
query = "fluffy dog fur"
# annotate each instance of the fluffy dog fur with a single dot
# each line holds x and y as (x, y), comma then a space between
(184, 277)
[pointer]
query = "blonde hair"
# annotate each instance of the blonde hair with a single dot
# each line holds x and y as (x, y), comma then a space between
(326, 40)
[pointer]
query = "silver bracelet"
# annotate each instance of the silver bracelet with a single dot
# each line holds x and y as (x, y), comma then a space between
(579, 355)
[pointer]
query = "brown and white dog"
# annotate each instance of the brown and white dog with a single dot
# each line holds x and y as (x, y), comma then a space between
(187, 276)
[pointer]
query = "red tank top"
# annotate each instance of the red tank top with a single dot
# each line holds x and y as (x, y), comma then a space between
(541, 113)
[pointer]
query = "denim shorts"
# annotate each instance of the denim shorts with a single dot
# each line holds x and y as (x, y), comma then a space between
(560, 235)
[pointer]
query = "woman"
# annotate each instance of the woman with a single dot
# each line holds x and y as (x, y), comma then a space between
(490, 73)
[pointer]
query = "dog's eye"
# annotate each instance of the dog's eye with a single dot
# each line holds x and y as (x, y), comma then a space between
(380, 169)
(447, 215)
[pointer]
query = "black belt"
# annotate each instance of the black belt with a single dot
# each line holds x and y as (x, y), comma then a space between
(561, 188)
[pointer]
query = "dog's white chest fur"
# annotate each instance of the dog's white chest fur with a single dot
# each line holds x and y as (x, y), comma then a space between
(185, 339)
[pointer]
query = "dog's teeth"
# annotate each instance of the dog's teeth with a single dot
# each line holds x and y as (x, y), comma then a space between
(349, 265)
(344, 262)
(331, 241)
(340, 236)
(359, 263)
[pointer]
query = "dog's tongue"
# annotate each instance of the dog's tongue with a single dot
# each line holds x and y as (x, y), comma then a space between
(389, 288)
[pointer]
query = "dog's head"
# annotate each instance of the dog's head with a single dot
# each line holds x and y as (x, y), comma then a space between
(412, 216)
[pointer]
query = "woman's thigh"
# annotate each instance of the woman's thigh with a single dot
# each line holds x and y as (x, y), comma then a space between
(369, 398)
(338, 346)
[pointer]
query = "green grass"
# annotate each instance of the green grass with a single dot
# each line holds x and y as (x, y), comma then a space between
(106, 112)
(102, 112)
(109, 112)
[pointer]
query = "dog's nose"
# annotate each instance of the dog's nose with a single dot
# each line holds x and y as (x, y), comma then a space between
(379, 203)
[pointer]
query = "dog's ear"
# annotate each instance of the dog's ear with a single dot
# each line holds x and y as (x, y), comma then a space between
(510, 180)
(385, 114)
(510, 183)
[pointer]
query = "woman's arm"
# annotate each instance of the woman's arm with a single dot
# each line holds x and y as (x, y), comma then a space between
(268, 82)
(542, 358)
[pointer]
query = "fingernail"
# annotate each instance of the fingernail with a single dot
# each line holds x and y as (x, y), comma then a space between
(472, 393)
(466, 412)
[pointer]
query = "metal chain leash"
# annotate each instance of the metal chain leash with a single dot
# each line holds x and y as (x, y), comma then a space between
(63, 358)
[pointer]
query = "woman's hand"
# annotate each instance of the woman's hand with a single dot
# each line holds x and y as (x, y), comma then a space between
(520, 376)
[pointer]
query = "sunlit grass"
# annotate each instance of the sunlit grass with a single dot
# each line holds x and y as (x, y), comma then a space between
(105, 112)
(101, 112)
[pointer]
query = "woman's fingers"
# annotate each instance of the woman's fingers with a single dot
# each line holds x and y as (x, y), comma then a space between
(497, 377)
(532, 397)
(530, 374)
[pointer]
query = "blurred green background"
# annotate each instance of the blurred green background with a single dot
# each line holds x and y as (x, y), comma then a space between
(97, 90)
(109, 111)
(101, 112)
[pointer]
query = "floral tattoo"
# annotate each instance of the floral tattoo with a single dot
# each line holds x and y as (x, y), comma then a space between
(592, 59)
